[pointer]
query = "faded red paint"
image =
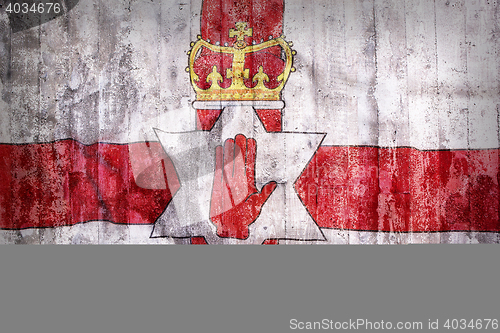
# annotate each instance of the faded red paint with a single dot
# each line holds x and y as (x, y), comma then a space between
(66, 182)
(265, 18)
(236, 202)
(206, 119)
(269, 59)
(402, 189)
(358, 188)
(198, 241)
(271, 119)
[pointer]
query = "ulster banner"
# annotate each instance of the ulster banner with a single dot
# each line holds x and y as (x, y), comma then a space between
(250, 122)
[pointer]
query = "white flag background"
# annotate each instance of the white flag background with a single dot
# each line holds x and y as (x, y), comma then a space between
(374, 73)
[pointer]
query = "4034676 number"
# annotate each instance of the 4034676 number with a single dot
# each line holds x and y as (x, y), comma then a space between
(36, 8)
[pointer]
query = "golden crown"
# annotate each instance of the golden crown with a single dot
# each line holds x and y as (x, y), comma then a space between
(238, 90)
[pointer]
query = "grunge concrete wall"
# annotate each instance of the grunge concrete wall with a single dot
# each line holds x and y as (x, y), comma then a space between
(387, 73)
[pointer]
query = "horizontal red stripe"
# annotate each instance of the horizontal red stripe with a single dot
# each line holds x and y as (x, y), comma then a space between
(357, 188)
(66, 182)
(402, 189)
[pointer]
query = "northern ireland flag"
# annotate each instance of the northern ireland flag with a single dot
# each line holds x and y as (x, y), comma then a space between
(250, 122)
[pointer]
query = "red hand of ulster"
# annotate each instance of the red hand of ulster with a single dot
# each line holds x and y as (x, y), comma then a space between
(236, 202)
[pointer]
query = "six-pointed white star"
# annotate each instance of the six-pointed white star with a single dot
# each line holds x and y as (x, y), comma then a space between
(281, 157)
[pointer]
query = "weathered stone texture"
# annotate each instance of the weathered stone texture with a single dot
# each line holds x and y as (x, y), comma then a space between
(386, 73)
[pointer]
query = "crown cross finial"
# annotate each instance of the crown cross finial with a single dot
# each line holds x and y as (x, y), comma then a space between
(240, 33)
